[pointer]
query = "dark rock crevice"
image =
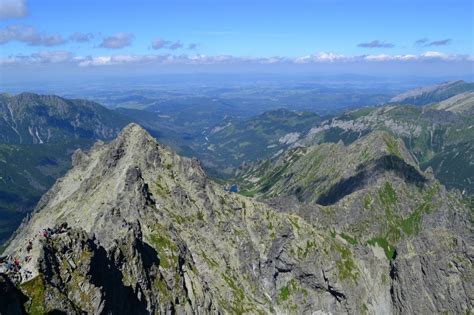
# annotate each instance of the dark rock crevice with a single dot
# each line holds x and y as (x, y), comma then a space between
(339, 296)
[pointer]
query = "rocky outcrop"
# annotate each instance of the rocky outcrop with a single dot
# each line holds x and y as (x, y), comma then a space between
(78, 275)
(434, 267)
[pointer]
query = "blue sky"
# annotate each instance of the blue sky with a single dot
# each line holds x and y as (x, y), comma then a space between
(416, 35)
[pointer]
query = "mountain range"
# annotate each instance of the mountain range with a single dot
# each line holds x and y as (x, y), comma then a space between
(148, 232)
(39, 134)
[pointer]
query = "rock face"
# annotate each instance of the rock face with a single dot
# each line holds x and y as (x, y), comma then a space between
(149, 233)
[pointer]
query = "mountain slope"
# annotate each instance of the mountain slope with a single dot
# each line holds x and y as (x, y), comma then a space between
(26, 173)
(38, 134)
(235, 141)
(34, 119)
(371, 192)
(437, 138)
(314, 173)
(461, 103)
(149, 233)
(434, 93)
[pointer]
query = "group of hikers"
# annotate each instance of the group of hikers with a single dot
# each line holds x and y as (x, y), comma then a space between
(14, 266)
(48, 232)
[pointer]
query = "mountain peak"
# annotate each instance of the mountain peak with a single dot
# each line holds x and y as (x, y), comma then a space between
(134, 138)
(382, 142)
(111, 176)
(134, 130)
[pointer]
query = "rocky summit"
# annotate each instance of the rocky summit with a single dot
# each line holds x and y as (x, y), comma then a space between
(134, 228)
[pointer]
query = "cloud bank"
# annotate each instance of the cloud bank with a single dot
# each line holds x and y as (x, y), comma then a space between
(317, 58)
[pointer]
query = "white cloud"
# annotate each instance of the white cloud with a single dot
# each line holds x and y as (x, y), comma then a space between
(435, 54)
(408, 57)
(380, 57)
(117, 41)
(385, 57)
(160, 43)
(94, 61)
(426, 56)
(376, 44)
(29, 35)
(321, 57)
(175, 45)
(79, 37)
(12, 9)
(118, 60)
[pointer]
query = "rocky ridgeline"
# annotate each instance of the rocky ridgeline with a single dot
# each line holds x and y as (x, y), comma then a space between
(434, 93)
(150, 233)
